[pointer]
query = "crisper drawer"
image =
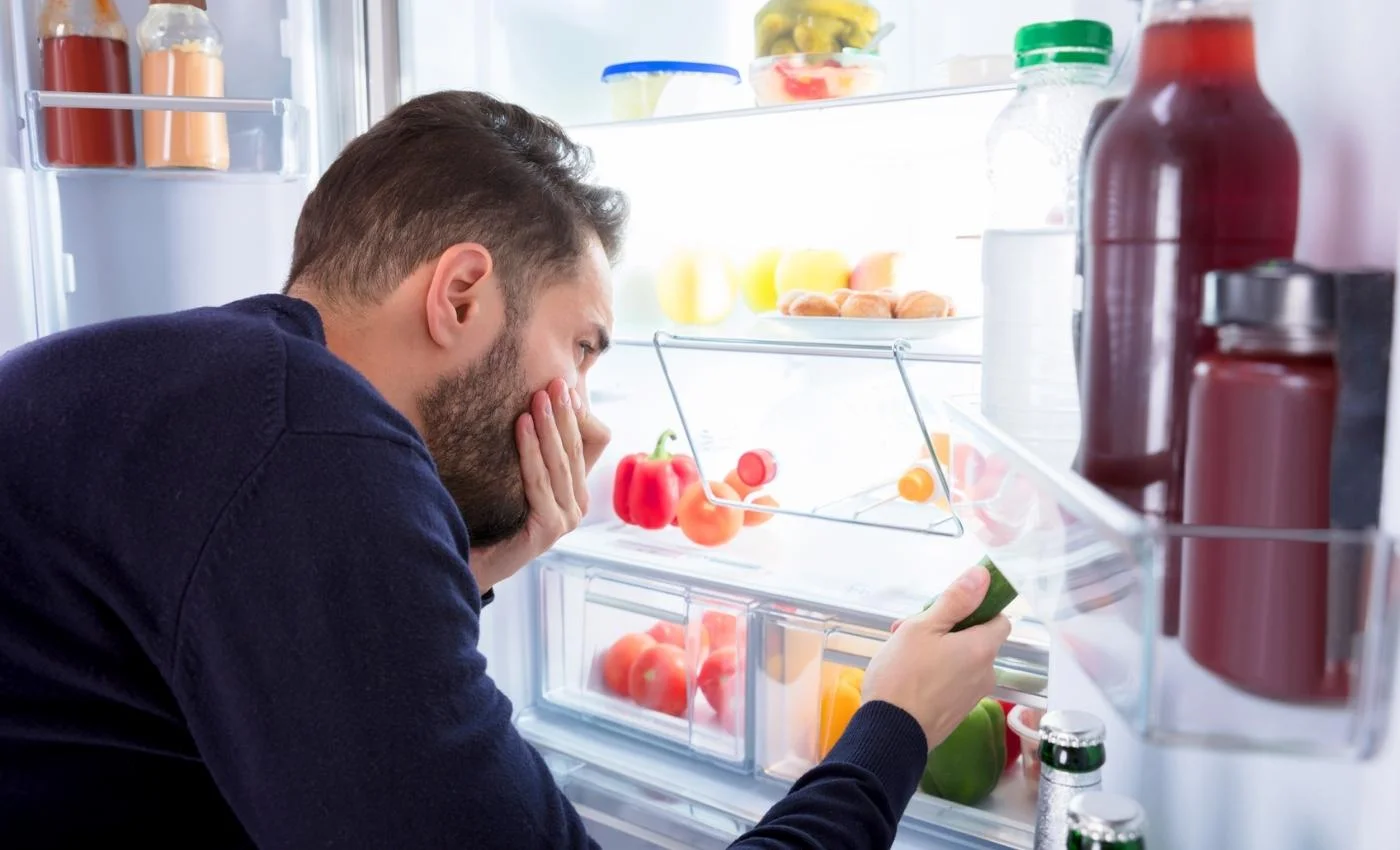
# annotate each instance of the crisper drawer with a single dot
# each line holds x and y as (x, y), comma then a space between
(647, 658)
(809, 686)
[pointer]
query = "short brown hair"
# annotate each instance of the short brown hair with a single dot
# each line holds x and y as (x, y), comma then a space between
(445, 168)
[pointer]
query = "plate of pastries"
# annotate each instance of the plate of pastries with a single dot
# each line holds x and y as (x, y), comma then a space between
(881, 314)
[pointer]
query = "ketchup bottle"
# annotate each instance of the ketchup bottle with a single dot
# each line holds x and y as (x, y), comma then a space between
(1259, 455)
(1194, 171)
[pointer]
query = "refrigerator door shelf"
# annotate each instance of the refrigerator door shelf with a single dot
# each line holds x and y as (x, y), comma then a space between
(1092, 570)
(688, 689)
(267, 138)
(846, 422)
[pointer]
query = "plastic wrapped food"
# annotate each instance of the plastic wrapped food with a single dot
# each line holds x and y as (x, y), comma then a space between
(813, 26)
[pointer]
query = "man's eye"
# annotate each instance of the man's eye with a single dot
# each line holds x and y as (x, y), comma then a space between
(587, 349)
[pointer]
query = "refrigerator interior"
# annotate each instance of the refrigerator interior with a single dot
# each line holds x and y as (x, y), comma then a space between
(110, 243)
(899, 173)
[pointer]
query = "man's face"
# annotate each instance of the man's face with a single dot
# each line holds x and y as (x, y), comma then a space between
(469, 417)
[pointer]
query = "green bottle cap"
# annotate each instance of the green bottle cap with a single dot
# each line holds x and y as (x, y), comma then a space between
(1079, 41)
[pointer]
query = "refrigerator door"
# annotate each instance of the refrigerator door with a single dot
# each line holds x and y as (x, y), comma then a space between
(18, 319)
(111, 243)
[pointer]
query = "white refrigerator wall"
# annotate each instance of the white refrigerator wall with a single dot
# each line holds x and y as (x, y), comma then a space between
(1331, 70)
(17, 316)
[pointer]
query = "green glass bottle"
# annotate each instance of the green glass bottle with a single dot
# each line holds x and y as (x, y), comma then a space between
(1099, 821)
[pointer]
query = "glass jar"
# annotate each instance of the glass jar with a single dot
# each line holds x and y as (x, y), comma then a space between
(82, 48)
(783, 27)
(182, 55)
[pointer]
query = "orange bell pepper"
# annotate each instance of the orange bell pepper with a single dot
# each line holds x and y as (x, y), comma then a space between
(839, 700)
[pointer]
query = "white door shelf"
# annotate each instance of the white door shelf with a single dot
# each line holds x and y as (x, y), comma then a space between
(267, 138)
(1093, 572)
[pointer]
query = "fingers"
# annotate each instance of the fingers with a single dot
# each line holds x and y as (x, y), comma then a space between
(556, 460)
(595, 435)
(567, 405)
(960, 599)
(533, 472)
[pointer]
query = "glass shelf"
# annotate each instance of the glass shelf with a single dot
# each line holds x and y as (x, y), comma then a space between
(1092, 571)
(267, 142)
(843, 420)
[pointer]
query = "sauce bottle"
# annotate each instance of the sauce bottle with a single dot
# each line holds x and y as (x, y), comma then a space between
(1259, 455)
(82, 48)
(182, 55)
(1194, 171)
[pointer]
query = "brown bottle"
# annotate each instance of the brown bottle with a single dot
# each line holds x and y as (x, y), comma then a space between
(82, 48)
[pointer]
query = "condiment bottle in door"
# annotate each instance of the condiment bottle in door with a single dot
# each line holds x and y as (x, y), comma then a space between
(82, 48)
(182, 55)
(1259, 455)
(1194, 171)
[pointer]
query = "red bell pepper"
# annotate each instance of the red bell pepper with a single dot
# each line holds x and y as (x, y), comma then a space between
(646, 487)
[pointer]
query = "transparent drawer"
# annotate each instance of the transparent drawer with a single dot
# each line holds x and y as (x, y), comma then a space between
(809, 687)
(650, 659)
(849, 431)
(1095, 573)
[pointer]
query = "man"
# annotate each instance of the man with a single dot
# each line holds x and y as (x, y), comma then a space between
(243, 550)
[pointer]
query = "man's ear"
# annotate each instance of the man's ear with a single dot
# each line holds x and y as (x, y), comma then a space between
(454, 292)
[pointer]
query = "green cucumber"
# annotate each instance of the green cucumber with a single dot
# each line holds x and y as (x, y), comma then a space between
(999, 595)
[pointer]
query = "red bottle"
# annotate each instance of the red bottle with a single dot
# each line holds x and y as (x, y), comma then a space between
(1259, 455)
(83, 49)
(1194, 171)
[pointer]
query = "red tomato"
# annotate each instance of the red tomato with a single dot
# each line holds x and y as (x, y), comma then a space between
(1013, 741)
(618, 661)
(659, 680)
(717, 679)
(674, 634)
(722, 628)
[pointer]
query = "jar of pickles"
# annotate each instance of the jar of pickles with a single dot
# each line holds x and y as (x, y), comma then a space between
(814, 50)
(813, 26)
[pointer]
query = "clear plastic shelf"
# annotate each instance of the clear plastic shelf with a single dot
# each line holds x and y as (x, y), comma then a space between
(1092, 571)
(267, 139)
(845, 421)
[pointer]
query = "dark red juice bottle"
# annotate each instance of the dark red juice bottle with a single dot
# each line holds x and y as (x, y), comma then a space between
(83, 49)
(1259, 456)
(1195, 170)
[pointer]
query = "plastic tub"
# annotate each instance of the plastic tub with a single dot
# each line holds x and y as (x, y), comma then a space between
(647, 89)
(1025, 722)
(803, 77)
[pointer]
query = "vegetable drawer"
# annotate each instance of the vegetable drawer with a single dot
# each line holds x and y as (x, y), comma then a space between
(647, 658)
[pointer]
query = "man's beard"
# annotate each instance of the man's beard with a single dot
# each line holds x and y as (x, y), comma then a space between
(469, 425)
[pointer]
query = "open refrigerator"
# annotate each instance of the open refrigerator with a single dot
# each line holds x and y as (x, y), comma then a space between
(813, 591)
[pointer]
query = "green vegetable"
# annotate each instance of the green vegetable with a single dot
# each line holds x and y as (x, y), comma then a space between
(967, 766)
(999, 595)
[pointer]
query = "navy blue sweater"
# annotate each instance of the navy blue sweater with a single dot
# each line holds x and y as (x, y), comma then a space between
(235, 611)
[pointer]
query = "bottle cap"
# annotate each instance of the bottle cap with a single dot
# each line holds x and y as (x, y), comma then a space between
(1071, 729)
(1100, 816)
(1280, 294)
(1077, 41)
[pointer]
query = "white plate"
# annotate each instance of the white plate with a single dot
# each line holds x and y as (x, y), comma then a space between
(872, 330)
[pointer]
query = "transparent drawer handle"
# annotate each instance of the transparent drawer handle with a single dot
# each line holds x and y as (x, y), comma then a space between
(845, 659)
(594, 597)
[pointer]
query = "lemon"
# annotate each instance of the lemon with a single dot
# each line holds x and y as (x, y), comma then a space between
(757, 281)
(812, 271)
(696, 288)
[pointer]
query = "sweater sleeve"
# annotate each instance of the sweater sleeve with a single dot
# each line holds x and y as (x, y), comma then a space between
(854, 799)
(326, 663)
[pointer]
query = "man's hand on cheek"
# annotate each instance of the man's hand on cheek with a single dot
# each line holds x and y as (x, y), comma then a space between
(558, 442)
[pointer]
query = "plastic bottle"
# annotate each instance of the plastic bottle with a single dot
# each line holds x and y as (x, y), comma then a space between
(1029, 387)
(182, 54)
(1194, 171)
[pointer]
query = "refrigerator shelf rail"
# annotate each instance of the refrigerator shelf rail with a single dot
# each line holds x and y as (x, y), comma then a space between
(841, 452)
(1093, 571)
(267, 138)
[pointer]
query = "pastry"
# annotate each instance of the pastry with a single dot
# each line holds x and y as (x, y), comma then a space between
(866, 305)
(785, 300)
(890, 296)
(840, 296)
(812, 304)
(921, 305)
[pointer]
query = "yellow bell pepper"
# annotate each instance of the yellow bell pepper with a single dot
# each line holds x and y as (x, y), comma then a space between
(840, 698)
